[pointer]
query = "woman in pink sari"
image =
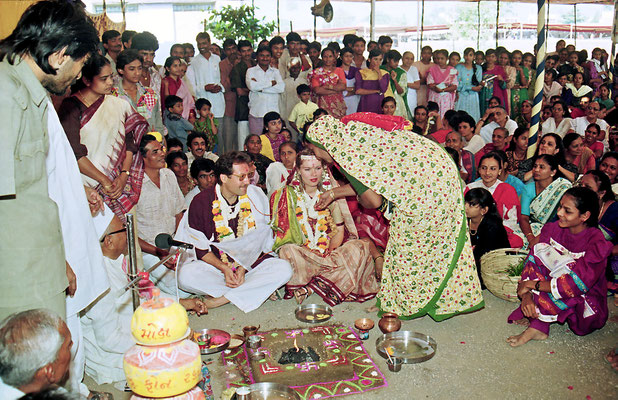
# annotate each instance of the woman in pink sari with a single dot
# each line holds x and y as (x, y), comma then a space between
(173, 84)
(442, 83)
(104, 132)
(328, 84)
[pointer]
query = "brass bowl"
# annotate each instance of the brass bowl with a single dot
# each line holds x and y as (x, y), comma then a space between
(364, 324)
(236, 341)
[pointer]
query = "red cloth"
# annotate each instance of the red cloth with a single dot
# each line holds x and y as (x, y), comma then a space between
(386, 122)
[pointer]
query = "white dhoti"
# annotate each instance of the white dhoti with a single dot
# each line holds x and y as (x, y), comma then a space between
(260, 282)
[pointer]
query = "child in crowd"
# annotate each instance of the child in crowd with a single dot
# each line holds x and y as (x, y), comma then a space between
(389, 105)
(302, 111)
(176, 125)
(605, 98)
(590, 140)
(442, 82)
(203, 174)
(173, 145)
(206, 123)
(286, 134)
(253, 146)
(487, 232)
(271, 135)
(173, 84)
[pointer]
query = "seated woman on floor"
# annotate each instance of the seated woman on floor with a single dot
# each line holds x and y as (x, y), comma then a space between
(541, 197)
(550, 144)
(314, 242)
(467, 169)
(564, 276)
(505, 195)
(487, 232)
(576, 153)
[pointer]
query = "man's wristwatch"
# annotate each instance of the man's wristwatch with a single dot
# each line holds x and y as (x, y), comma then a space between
(125, 171)
(536, 286)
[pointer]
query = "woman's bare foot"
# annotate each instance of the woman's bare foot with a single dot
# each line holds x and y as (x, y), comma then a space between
(194, 304)
(612, 359)
(301, 294)
(615, 299)
(522, 322)
(526, 336)
(372, 309)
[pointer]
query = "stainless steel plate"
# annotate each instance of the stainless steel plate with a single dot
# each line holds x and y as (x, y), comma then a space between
(412, 347)
(272, 391)
(313, 313)
(218, 342)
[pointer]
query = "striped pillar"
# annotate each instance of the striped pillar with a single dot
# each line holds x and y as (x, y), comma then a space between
(537, 104)
(614, 39)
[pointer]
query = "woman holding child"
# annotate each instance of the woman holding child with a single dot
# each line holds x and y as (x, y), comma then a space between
(321, 246)
(564, 276)
(416, 183)
(104, 132)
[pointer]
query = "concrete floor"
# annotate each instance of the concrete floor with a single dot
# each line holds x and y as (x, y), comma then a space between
(472, 361)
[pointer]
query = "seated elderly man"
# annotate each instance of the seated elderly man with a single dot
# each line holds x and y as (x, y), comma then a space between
(229, 226)
(106, 325)
(159, 210)
(35, 352)
(500, 119)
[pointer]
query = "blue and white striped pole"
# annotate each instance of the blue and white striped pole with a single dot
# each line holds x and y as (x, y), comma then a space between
(537, 104)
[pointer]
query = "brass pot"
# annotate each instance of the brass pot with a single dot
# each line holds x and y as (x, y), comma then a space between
(389, 323)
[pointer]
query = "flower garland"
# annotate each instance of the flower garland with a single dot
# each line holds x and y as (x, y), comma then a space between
(222, 213)
(305, 208)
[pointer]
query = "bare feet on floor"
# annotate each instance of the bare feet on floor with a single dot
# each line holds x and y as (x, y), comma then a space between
(379, 265)
(214, 302)
(372, 309)
(522, 322)
(526, 336)
(612, 359)
(194, 304)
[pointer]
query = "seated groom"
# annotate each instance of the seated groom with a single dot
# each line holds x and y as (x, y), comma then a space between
(228, 224)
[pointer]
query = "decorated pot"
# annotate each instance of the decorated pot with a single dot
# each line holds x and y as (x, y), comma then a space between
(159, 321)
(194, 394)
(163, 371)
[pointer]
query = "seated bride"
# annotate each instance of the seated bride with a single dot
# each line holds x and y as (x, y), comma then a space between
(322, 246)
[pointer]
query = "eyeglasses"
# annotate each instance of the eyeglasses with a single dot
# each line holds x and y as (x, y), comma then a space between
(113, 233)
(241, 177)
(593, 108)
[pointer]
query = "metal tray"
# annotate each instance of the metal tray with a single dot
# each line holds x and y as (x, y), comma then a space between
(218, 335)
(272, 391)
(412, 347)
(313, 313)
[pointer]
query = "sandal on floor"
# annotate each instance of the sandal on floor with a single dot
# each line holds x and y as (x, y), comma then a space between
(276, 296)
(301, 294)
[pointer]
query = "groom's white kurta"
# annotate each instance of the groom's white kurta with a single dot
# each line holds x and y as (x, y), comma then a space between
(196, 276)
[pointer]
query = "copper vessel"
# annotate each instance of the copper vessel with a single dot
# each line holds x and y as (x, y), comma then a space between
(389, 322)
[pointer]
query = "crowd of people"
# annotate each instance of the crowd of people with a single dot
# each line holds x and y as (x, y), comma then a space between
(352, 172)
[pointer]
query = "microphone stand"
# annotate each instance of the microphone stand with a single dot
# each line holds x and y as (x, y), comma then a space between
(163, 260)
(132, 255)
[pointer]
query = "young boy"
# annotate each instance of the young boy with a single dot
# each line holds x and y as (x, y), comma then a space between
(176, 125)
(203, 173)
(303, 111)
(206, 124)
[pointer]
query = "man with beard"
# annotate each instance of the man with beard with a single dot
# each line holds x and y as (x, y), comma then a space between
(33, 268)
(35, 352)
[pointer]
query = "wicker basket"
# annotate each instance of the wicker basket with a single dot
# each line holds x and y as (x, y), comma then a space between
(493, 272)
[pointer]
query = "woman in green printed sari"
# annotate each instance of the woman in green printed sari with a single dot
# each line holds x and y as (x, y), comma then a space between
(429, 266)
(541, 197)
(398, 82)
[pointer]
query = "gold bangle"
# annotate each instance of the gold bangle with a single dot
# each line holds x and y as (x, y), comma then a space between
(530, 233)
(332, 194)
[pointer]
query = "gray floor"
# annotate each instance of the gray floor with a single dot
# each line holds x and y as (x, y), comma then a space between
(472, 361)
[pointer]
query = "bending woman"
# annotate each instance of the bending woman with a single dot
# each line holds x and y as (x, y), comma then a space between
(428, 267)
(104, 132)
(313, 241)
(564, 276)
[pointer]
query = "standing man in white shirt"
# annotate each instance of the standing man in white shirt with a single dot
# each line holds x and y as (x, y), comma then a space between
(205, 76)
(265, 85)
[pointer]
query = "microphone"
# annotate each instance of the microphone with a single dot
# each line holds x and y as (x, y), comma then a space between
(165, 241)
